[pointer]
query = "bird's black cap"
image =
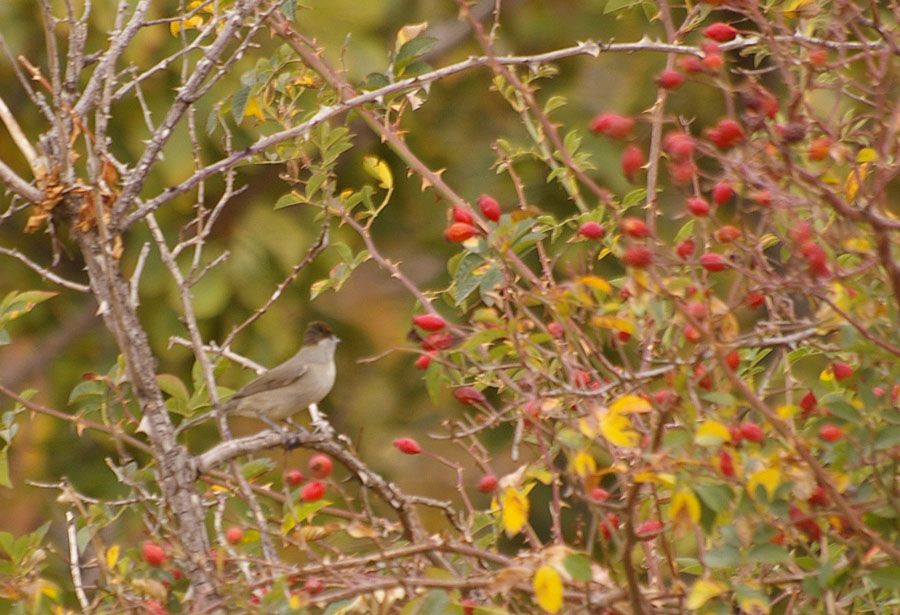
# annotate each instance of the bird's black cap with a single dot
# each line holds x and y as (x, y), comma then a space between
(316, 331)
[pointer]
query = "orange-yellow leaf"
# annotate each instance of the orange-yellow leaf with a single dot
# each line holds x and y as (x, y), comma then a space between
(515, 511)
(685, 505)
(630, 403)
(583, 464)
(769, 478)
(595, 282)
(703, 591)
(711, 433)
(618, 430)
(548, 589)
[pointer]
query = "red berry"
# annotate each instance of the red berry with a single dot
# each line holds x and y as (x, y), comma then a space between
(755, 299)
(153, 553)
(423, 360)
(489, 207)
(698, 206)
(682, 172)
(805, 523)
(234, 535)
(679, 145)
(831, 433)
(293, 477)
(669, 79)
(599, 494)
(612, 125)
(727, 234)
(801, 232)
(685, 249)
(320, 465)
(555, 329)
(818, 497)
(753, 432)
(154, 607)
(637, 256)
(808, 403)
(487, 483)
(819, 148)
(720, 32)
(648, 530)
(469, 396)
(459, 232)
(468, 606)
(623, 336)
(713, 61)
(664, 397)
(878, 391)
(691, 334)
(691, 65)
(608, 525)
(713, 262)
(635, 227)
(726, 464)
(818, 57)
(763, 198)
(462, 214)
(732, 360)
(313, 586)
(841, 370)
(429, 322)
(407, 446)
(722, 192)
(727, 133)
(591, 230)
(632, 160)
(312, 491)
(696, 309)
(438, 341)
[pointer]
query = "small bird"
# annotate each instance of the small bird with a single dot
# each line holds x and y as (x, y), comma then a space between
(283, 391)
(304, 379)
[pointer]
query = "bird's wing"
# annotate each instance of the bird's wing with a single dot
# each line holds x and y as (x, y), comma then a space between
(276, 378)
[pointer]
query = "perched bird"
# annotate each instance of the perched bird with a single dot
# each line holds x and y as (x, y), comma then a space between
(283, 391)
(304, 379)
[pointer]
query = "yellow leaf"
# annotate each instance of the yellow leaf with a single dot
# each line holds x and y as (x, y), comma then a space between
(192, 23)
(615, 323)
(787, 411)
(595, 282)
(685, 503)
(630, 403)
(515, 511)
(851, 184)
(548, 589)
(379, 170)
(587, 428)
(254, 109)
(769, 478)
(711, 433)
(617, 429)
(703, 591)
(826, 375)
(583, 464)
(409, 32)
(867, 154)
(659, 478)
(112, 556)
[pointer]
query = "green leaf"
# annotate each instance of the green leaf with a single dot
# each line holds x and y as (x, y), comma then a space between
(886, 578)
(579, 566)
(768, 554)
(257, 467)
(616, 5)
(239, 103)
(722, 557)
(412, 50)
(434, 379)
(287, 200)
(720, 398)
(716, 497)
(172, 386)
(4, 468)
(841, 408)
(85, 390)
